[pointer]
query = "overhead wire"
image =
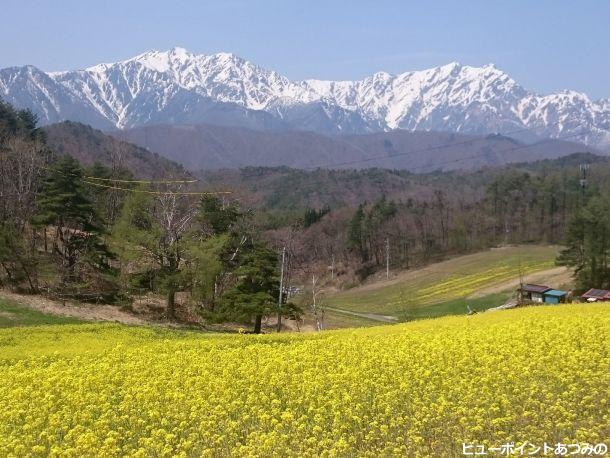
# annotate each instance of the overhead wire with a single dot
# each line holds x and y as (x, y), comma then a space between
(87, 179)
(145, 191)
(117, 180)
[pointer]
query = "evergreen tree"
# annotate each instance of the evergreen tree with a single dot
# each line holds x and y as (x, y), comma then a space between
(355, 236)
(66, 211)
(312, 215)
(588, 245)
(214, 217)
(256, 288)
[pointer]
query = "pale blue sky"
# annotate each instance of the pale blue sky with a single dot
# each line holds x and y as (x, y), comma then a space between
(546, 45)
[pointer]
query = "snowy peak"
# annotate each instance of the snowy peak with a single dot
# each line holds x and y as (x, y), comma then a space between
(162, 61)
(176, 86)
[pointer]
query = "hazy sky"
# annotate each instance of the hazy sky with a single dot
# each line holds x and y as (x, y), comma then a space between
(546, 45)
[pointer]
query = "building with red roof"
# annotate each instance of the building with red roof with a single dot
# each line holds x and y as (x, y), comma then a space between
(594, 295)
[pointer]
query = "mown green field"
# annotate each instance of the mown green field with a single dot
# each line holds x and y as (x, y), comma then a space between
(537, 374)
(444, 288)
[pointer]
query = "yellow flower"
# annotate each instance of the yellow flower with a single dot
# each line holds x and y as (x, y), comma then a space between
(418, 389)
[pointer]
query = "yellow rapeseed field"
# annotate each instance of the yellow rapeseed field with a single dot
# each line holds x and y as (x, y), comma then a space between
(540, 374)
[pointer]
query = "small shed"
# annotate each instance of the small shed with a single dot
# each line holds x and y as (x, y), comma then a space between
(534, 293)
(594, 295)
(554, 296)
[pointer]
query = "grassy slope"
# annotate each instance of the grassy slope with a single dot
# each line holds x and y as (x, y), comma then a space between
(12, 314)
(443, 288)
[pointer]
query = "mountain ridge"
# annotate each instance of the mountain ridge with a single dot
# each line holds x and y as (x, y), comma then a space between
(209, 147)
(178, 87)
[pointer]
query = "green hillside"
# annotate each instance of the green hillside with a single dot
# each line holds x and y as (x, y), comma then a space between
(445, 288)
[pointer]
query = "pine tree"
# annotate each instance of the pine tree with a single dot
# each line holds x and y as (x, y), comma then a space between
(355, 236)
(66, 211)
(588, 245)
(256, 289)
(214, 217)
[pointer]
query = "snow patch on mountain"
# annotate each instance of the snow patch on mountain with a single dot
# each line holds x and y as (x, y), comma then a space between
(174, 85)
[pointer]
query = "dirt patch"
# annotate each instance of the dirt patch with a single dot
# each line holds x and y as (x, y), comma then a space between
(367, 315)
(554, 278)
(87, 312)
(145, 310)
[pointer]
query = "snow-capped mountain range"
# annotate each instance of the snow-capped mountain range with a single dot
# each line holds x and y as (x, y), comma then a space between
(178, 87)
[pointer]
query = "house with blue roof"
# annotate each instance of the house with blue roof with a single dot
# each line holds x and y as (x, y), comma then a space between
(554, 296)
(541, 294)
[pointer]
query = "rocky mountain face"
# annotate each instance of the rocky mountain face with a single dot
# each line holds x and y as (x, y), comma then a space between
(177, 87)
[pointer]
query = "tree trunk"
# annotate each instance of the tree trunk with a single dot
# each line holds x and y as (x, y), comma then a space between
(171, 303)
(33, 288)
(258, 321)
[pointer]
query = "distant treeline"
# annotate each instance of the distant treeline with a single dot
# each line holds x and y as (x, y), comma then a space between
(422, 218)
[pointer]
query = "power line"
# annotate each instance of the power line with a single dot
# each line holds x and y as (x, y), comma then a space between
(171, 193)
(140, 181)
(89, 177)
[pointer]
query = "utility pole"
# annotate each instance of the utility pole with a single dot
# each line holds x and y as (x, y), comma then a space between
(279, 304)
(332, 267)
(314, 307)
(520, 295)
(387, 258)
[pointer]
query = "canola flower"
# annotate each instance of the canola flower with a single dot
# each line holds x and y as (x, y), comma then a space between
(464, 285)
(419, 389)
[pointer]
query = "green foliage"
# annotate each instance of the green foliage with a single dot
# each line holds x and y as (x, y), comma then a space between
(136, 232)
(256, 288)
(63, 200)
(364, 232)
(107, 201)
(588, 245)
(207, 268)
(312, 215)
(355, 233)
(214, 216)
(81, 253)
(18, 123)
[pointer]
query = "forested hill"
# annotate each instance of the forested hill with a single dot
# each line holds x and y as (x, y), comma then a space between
(89, 145)
(206, 146)
(284, 188)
